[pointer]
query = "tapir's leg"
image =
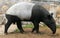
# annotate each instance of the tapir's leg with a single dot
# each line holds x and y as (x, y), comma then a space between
(7, 26)
(19, 25)
(36, 26)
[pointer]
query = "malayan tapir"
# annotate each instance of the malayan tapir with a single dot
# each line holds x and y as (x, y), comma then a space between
(25, 11)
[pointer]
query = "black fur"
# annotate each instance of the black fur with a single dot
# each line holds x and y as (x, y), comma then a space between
(13, 19)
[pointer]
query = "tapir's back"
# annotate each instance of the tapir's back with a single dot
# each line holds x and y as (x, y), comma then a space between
(22, 10)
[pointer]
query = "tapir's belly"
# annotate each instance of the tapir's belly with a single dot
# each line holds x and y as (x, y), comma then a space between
(22, 10)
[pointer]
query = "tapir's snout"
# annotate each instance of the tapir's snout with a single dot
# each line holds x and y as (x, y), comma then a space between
(53, 28)
(51, 24)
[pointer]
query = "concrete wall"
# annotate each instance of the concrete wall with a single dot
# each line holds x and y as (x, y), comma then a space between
(5, 4)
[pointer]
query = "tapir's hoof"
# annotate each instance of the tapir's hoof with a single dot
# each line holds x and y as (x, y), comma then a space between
(54, 32)
(32, 31)
(37, 32)
(5, 33)
(22, 32)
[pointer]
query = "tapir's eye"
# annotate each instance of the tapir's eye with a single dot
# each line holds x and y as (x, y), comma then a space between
(49, 16)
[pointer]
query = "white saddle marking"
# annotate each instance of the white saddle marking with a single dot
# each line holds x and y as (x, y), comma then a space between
(22, 10)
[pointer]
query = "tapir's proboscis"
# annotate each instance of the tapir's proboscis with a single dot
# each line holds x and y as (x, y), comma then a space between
(25, 11)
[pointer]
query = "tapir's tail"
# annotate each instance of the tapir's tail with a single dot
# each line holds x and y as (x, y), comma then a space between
(3, 19)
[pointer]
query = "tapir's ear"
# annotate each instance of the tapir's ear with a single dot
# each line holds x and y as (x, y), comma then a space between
(51, 14)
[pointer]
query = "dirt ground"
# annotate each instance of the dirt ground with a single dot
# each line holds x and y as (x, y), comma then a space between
(45, 32)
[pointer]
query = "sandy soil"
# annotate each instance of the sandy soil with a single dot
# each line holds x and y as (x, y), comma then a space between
(45, 32)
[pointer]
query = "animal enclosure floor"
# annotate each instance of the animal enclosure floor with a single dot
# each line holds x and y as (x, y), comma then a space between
(45, 32)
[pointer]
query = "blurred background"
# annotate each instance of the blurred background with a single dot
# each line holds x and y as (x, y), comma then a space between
(53, 6)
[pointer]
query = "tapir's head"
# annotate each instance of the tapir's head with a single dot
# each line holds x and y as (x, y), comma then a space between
(50, 22)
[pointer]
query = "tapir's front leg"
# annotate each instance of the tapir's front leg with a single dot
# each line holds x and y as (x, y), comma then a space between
(36, 26)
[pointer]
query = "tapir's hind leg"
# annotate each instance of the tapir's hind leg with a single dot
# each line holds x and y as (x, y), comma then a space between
(19, 25)
(7, 26)
(9, 22)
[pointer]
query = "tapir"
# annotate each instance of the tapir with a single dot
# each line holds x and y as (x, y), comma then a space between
(26, 11)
